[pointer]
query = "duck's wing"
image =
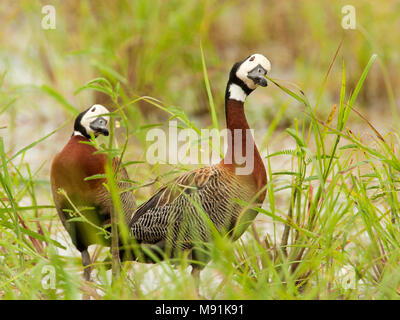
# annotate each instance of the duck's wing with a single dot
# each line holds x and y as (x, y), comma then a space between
(103, 197)
(151, 220)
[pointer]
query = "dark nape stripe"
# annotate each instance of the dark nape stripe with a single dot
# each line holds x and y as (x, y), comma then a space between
(233, 79)
(241, 84)
(78, 126)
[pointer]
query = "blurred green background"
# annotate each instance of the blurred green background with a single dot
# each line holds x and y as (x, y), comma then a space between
(153, 48)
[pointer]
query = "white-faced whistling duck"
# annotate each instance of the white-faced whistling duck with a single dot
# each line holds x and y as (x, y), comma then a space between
(77, 161)
(171, 221)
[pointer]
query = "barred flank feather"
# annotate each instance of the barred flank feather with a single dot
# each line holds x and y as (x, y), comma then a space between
(172, 214)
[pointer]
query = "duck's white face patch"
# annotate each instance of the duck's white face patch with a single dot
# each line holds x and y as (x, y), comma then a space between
(92, 114)
(249, 64)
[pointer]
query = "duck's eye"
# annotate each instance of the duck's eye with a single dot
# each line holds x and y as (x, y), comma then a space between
(252, 58)
(94, 109)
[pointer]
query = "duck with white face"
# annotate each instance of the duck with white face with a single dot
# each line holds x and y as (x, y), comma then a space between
(171, 221)
(69, 172)
(94, 119)
(246, 76)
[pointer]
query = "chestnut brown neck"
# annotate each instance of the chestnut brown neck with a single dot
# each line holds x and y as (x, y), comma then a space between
(236, 120)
